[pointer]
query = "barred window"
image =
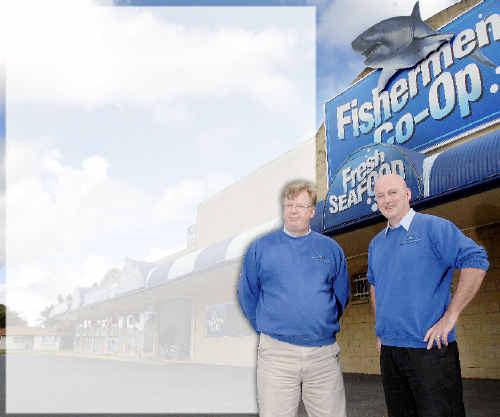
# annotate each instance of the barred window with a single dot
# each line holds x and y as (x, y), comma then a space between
(360, 288)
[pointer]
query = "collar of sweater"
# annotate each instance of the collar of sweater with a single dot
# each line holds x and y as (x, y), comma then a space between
(287, 232)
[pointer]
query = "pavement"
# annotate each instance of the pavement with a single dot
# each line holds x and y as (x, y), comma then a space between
(48, 384)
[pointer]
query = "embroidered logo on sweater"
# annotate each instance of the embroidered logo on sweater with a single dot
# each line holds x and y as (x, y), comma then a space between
(410, 239)
(320, 258)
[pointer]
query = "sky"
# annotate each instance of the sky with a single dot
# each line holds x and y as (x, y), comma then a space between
(122, 117)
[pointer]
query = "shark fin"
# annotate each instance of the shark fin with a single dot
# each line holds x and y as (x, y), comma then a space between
(478, 56)
(442, 37)
(416, 12)
(384, 77)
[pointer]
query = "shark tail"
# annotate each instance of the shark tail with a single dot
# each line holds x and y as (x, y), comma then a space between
(384, 77)
(478, 56)
(442, 37)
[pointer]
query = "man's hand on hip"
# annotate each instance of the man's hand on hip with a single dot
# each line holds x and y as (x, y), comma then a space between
(439, 332)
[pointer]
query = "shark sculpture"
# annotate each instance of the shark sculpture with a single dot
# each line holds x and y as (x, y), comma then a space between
(401, 42)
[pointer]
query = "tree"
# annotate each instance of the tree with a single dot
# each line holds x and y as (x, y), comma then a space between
(11, 316)
(45, 313)
(3, 312)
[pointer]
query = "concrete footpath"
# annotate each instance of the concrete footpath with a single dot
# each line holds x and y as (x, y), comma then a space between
(47, 384)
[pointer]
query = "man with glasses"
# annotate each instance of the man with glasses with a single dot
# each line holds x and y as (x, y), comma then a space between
(410, 268)
(293, 289)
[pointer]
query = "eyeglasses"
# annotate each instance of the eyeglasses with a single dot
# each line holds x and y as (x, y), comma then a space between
(290, 206)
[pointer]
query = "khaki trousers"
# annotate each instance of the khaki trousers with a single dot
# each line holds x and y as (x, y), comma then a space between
(285, 372)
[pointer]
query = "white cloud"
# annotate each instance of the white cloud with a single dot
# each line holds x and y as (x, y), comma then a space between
(94, 267)
(58, 213)
(156, 254)
(52, 206)
(35, 285)
(334, 83)
(343, 20)
(31, 301)
(216, 141)
(179, 202)
(76, 52)
(171, 113)
(70, 218)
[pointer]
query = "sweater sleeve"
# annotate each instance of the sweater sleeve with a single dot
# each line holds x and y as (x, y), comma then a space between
(249, 286)
(369, 274)
(456, 249)
(341, 285)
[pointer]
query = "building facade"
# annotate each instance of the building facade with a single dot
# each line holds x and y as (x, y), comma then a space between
(184, 308)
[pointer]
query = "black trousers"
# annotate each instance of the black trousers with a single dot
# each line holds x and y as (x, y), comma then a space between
(421, 382)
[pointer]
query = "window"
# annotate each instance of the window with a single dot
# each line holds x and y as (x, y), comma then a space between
(226, 320)
(360, 289)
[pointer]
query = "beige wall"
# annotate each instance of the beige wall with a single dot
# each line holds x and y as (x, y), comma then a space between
(219, 287)
(254, 199)
(321, 163)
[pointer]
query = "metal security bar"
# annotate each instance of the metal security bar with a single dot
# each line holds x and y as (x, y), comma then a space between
(360, 288)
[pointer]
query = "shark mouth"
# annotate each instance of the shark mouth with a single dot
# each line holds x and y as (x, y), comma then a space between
(369, 51)
(366, 53)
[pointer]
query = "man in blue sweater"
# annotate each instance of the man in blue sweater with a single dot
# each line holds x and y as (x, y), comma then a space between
(293, 289)
(410, 267)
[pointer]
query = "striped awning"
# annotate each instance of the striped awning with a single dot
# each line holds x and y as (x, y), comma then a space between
(137, 276)
(468, 166)
(206, 258)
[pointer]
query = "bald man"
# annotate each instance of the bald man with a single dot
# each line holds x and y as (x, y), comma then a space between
(410, 267)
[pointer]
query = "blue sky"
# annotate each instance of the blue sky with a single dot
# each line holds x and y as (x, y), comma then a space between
(121, 120)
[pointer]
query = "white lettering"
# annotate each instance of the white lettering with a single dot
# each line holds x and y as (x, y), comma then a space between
(469, 75)
(438, 112)
(464, 43)
(342, 120)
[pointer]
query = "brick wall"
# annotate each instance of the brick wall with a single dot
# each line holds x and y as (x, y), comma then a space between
(478, 328)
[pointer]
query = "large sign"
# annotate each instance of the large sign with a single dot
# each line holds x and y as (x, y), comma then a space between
(351, 194)
(450, 92)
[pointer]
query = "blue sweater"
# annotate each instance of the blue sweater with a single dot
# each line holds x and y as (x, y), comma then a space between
(294, 288)
(412, 274)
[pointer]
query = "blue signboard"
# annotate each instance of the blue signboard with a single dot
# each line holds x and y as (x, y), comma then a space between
(451, 91)
(351, 194)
